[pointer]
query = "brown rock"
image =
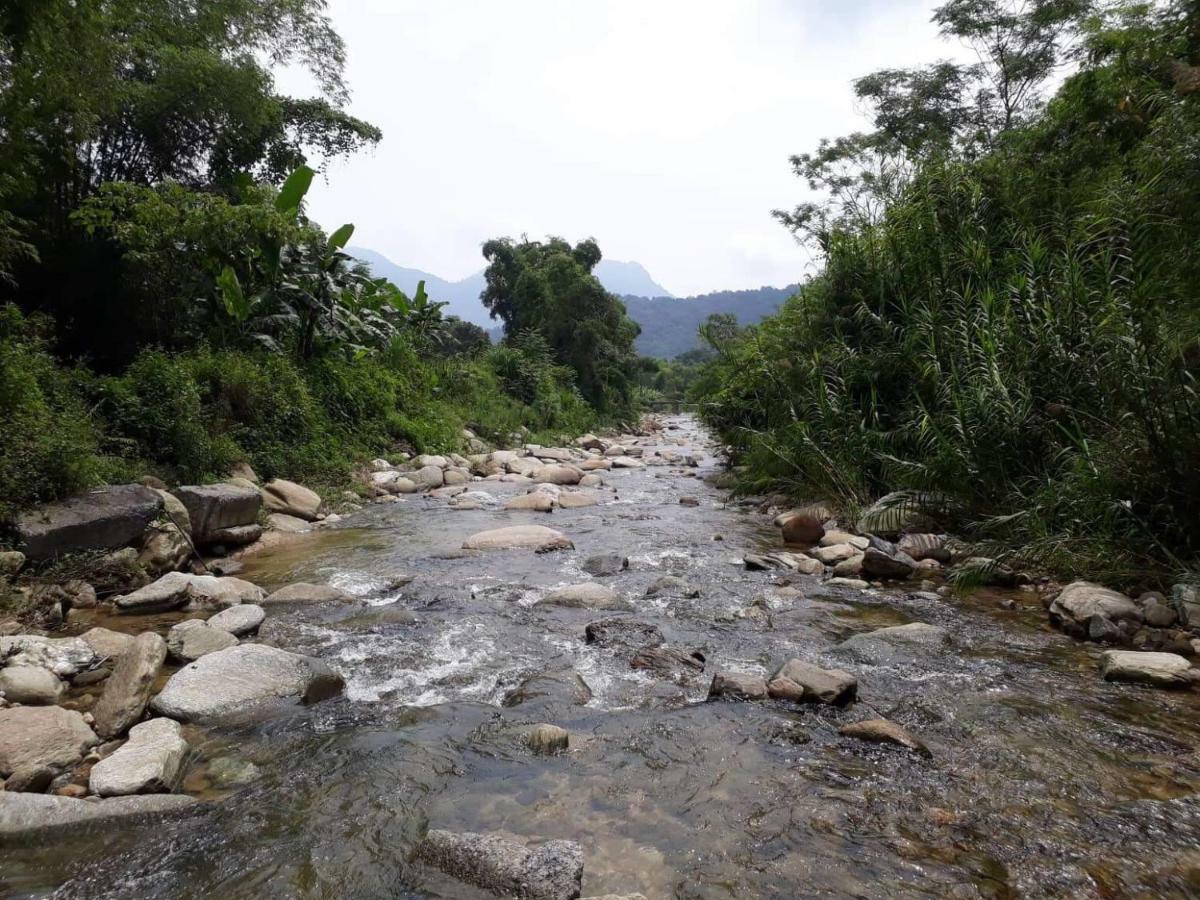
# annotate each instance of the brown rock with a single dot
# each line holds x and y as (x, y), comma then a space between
(881, 731)
(127, 690)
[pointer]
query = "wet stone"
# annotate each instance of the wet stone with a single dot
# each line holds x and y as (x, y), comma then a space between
(881, 731)
(552, 871)
(737, 686)
(547, 739)
(623, 633)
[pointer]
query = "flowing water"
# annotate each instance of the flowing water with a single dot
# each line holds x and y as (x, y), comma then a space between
(1044, 781)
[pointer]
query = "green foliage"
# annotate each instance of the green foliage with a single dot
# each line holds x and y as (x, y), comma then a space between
(1015, 331)
(549, 288)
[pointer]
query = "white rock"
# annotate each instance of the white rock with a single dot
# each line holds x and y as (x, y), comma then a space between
(62, 656)
(239, 620)
(150, 762)
(193, 639)
(30, 685)
(1159, 669)
(529, 537)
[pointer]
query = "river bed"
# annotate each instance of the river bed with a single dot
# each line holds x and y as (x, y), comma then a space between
(1044, 781)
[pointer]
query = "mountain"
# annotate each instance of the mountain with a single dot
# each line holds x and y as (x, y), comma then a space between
(628, 278)
(669, 324)
(463, 296)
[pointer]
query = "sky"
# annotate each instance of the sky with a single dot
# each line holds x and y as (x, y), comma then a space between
(662, 128)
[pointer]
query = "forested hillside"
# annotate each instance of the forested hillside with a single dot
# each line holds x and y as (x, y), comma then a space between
(166, 304)
(670, 326)
(1006, 324)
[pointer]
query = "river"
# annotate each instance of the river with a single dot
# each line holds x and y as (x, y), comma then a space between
(1044, 781)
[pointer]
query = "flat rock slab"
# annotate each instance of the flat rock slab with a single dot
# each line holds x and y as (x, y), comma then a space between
(179, 589)
(232, 681)
(34, 736)
(36, 815)
(150, 762)
(899, 643)
(519, 537)
(551, 871)
(105, 518)
(127, 690)
(802, 682)
(245, 618)
(1158, 669)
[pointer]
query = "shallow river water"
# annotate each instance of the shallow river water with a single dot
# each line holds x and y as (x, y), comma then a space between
(1044, 781)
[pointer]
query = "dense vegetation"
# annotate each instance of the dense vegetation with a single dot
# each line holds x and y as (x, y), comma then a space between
(670, 325)
(166, 305)
(1007, 320)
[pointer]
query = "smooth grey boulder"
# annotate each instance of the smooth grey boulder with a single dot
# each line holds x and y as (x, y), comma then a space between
(519, 537)
(242, 678)
(891, 563)
(105, 518)
(62, 656)
(179, 589)
(239, 620)
(291, 499)
(127, 690)
(213, 507)
(737, 686)
(30, 685)
(150, 762)
(36, 815)
(551, 871)
(1167, 670)
(1079, 601)
(587, 595)
(802, 682)
(899, 643)
(191, 639)
(42, 736)
(606, 565)
(106, 643)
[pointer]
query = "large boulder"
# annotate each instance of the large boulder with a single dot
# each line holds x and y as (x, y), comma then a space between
(32, 736)
(178, 589)
(1159, 669)
(62, 656)
(102, 519)
(239, 620)
(882, 562)
(106, 643)
(291, 499)
(802, 528)
(27, 816)
(150, 762)
(165, 546)
(128, 688)
(519, 537)
(588, 595)
(1080, 601)
(191, 639)
(428, 477)
(559, 475)
(552, 871)
(232, 681)
(216, 507)
(803, 682)
(30, 685)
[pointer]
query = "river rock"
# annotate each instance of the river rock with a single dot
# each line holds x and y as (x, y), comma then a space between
(552, 871)
(177, 589)
(550, 689)
(887, 563)
(24, 816)
(232, 681)
(62, 656)
(672, 585)
(239, 620)
(128, 688)
(292, 499)
(851, 567)
(627, 462)
(587, 595)
(835, 554)
(835, 537)
(623, 633)
(577, 499)
(596, 465)
(103, 518)
(106, 643)
(591, 480)
(802, 528)
(537, 501)
(1081, 600)
(192, 639)
(606, 565)
(519, 537)
(899, 643)
(150, 762)
(231, 771)
(302, 592)
(737, 686)
(30, 780)
(547, 739)
(925, 546)
(669, 662)
(11, 562)
(555, 474)
(881, 731)
(1158, 669)
(214, 507)
(164, 549)
(42, 736)
(30, 685)
(803, 682)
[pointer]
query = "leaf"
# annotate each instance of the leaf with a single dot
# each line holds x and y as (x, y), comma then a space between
(338, 239)
(294, 189)
(420, 298)
(232, 295)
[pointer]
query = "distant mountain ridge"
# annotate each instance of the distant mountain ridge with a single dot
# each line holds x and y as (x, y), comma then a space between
(463, 296)
(669, 323)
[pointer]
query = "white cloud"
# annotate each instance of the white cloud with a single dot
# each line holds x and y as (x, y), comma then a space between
(660, 127)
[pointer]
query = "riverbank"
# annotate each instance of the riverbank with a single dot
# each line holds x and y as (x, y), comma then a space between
(451, 657)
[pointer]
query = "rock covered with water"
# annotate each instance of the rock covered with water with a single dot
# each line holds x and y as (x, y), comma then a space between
(737, 686)
(128, 688)
(882, 731)
(1168, 670)
(802, 682)
(606, 565)
(30, 815)
(34, 736)
(241, 678)
(547, 739)
(587, 595)
(150, 762)
(628, 633)
(551, 871)
(519, 537)
(302, 592)
(898, 643)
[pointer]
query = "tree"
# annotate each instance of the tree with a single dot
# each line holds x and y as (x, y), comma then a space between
(548, 288)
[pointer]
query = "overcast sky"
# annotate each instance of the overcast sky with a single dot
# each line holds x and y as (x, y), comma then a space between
(660, 127)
